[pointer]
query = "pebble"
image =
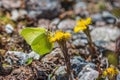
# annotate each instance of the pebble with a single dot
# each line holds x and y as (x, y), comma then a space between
(66, 24)
(15, 15)
(20, 58)
(43, 8)
(88, 74)
(34, 55)
(61, 73)
(105, 33)
(79, 7)
(77, 64)
(108, 17)
(8, 4)
(9, 28)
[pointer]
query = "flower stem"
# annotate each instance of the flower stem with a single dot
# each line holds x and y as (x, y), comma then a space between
(64, 49)
(90, 43)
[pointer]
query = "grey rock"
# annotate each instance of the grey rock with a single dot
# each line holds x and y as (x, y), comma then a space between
(105, 44)
(88, 74)
(9, 28)
(96, 17)
(60, 70)
(55, 21)
(15, 15)
(118, 77)
(15, 57)
(44, 23)
(77, 18)
(18, 14)
(117, 3)
(22, 13)
(77, 63)
(100, 23)
(43, 8)
(104, 62)
(54, 54)
(66, 24)
(61, 73)
(34, 55)
(101, 43)
(10, 4)
(79, 7)
(105, 33)
(106, 13)
(79, 39)
(79, 42)
(33, 14)
(0, 3)
(20, 58)
(75, 37)
(108, 17)
(70, 31)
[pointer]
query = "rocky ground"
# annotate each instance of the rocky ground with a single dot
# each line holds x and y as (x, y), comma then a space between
(57, 14)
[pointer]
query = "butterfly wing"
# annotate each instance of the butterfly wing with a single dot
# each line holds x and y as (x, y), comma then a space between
(37, 39)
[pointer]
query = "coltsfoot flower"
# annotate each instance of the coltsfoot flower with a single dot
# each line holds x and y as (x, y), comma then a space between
(82, 24)
(59, 36)
(111, 71)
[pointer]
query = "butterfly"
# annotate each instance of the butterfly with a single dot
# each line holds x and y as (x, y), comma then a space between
(37, 38)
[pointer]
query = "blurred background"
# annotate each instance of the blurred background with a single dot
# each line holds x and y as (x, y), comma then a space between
(58, 15)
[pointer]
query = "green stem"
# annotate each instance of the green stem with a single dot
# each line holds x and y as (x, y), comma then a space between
(90, 43)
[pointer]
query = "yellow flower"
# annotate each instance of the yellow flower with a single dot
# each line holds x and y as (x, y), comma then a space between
(104, 73)
(67, 35)
(88, 21)
(82, 24)
(110, 72)
(59, 35)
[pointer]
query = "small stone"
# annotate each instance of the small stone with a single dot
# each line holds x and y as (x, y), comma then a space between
(79, 42)
(34, 55)
(8, 4)
(20, 58)
(43, 8)
(15, 15)
(22, 13)
(96, 17)
(79, 7)
(118, 76)
(79, 39)
(88, 74)
(15, 57)
(77, 63)
(44, 23)
(53, 56)
(66, 24)
(61, 73)
(33, 14)
(100, 23)
(60, 70)
(0, 3)
(105, 33)
(9, 28)
(55, 21)
(105, 44)
(108, 17)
